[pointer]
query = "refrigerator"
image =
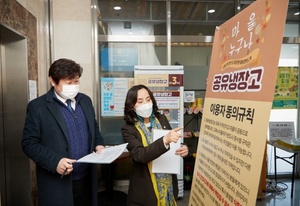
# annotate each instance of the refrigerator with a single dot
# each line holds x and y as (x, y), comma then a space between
(166, 83)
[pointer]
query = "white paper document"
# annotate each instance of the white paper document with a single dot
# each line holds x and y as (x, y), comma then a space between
(107, 155)
(168, 162)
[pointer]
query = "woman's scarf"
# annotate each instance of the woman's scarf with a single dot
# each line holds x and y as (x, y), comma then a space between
(162, 183)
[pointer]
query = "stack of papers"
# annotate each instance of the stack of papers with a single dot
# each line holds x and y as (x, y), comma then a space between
(167, 162)
(107, 156)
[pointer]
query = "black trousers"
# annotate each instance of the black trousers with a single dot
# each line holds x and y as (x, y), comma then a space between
(82, 192)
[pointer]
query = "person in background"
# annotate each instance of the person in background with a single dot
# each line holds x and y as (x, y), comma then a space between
(55, 135)
(142, 115)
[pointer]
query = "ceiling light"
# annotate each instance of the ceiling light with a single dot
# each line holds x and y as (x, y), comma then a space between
(117, 8)
(211, 11)
(297, 13)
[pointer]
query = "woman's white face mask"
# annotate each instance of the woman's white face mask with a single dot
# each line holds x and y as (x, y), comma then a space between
(69, 91)
(144, 110)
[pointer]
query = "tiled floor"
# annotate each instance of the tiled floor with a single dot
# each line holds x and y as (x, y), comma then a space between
(272, 197)
(281, 196)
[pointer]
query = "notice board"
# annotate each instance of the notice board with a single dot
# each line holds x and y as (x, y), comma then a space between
(238, 101)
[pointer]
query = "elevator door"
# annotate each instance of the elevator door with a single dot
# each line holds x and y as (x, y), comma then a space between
(14, 165)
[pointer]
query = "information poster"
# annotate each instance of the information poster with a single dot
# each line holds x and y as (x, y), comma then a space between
(167, 99)
(238, 101)
(281, 130)
(113, 94)
(286, 89)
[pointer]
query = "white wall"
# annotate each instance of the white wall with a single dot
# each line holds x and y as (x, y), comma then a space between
(38, 8)
(73, 38)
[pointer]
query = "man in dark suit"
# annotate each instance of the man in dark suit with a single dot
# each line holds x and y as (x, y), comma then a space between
(61, 127)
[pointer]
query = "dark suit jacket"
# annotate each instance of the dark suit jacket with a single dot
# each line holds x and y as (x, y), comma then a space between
(45, 142)
(141, 190)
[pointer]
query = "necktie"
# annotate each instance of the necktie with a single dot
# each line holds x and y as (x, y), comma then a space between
(69, 105)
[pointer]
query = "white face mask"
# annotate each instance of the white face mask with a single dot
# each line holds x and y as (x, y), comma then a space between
(69, 91)
(144, 110)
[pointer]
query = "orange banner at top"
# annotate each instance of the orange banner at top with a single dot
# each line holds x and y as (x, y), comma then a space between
(247, 42)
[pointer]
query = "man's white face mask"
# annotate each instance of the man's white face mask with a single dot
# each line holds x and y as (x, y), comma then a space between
(69, 91)
(144, 110)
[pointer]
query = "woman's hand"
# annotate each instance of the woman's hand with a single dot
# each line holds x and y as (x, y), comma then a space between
(172, 136)
(183, 151)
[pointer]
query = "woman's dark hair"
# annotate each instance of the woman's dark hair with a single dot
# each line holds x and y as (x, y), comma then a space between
(64, 69)
(130, 116)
